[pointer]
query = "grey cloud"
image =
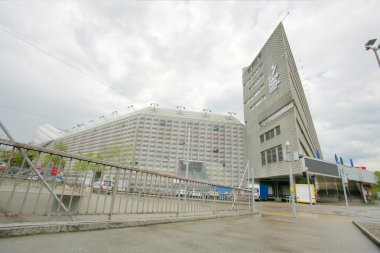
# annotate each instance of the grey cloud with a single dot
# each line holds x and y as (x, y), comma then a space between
(191, 54)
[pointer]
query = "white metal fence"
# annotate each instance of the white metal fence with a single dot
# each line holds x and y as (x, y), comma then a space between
(48, 182)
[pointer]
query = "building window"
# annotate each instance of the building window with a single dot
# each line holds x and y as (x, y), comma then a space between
(270, 134)
(269, 156)
(280, 155)
(162, 122)
(272, 155)
(278, 130)
(263, 158)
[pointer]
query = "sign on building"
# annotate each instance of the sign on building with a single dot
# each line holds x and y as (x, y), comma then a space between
(319, 167)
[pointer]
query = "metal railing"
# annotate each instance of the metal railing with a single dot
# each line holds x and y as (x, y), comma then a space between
(51, 182)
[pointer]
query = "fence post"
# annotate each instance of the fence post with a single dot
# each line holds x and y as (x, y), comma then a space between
(114, 190)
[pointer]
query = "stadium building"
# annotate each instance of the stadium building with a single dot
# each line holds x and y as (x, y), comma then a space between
(157, 139)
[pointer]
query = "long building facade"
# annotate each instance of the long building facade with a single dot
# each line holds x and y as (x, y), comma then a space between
(157, 139)
(276, 112)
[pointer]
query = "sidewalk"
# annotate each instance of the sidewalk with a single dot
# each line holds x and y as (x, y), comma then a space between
(272, 233)
(87, 223)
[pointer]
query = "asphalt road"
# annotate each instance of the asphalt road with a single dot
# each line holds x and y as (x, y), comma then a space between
(273, 233)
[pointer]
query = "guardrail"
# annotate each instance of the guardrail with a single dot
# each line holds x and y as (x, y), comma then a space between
(60, 183)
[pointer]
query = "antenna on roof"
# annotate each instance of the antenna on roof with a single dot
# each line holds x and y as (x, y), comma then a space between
(285, 16)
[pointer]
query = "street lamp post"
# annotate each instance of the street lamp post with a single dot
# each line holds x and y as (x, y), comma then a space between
(154, 105)
(131, 107)
(291, 184)
(187, 168)
(180, 108)
(370, 45)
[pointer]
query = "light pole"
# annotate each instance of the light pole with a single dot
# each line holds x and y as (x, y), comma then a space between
(370, 45)
(206, 111)
(154, 105)
(187, 166)
(291, 184)
(231, 114)
(131, 107)
(180, 108)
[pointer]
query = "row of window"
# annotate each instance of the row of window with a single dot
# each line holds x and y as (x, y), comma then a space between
(251, 79)
(277, 114)
(257, 103)
(254, 63)
(270, 134)
(256, 82)
(272, 155)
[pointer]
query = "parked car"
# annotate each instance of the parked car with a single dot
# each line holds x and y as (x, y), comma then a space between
(102, 186)
(180, 192)
(226, 196)
(57, 179)
(122, 186)
(195, 193)
(213, 194)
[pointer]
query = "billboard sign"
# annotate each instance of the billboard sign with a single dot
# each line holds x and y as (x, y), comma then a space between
(320, 167)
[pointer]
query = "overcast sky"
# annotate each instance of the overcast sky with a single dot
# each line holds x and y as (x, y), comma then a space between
(188, 53)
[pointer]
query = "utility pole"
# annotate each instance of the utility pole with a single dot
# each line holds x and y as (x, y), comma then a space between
(291, 184)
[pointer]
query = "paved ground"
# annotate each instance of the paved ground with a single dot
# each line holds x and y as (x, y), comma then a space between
(273, 233)
(372, 226)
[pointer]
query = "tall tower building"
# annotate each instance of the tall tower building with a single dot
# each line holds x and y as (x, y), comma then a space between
(276, 111)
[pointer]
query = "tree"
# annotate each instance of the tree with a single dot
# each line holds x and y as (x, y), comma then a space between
(376, 187)
(121, 154)
(16, 159)
(82, 165)
(50, 161)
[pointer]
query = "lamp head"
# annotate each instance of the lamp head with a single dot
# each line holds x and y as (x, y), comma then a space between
(369, 44)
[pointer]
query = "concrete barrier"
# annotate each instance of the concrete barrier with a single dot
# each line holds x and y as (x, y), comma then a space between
(11, 230)
(372, 237)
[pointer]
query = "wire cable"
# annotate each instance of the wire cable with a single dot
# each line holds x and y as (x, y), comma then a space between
(35, 113)
(61, 61)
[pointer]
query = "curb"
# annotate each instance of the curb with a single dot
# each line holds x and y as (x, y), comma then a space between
(45, 228)
(373, 238)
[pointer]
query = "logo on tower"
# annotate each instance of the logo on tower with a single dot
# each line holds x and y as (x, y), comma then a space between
(273, 81)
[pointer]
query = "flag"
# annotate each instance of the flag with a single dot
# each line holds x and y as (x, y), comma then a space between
(352, 163)
(336, 159)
